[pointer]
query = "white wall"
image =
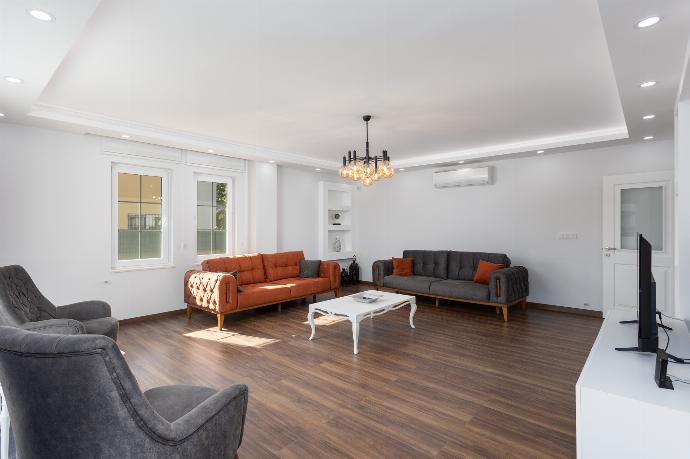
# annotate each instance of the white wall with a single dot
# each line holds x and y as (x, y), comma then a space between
(263, 208)
(532, 200)
(298, 197)
(56, 214)
(683, 209)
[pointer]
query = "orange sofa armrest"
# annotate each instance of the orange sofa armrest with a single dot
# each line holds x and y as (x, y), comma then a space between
(210, 290)
(331, 271)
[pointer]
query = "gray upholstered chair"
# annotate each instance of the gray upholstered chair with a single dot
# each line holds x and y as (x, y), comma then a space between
(22, 305)
(73, 396)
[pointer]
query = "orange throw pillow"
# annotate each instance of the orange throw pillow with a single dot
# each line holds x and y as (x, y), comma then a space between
(402, 266)
(484, 271)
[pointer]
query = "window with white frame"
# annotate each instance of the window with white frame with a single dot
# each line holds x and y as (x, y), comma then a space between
(213, 216)
(140, 216)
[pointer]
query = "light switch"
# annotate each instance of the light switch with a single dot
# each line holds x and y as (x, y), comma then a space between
(567, 235)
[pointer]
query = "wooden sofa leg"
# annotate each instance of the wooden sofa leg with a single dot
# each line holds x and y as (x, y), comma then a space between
(280, 307)
(505, 312)
(189, 312)
(498, 310)
(221, 318)
(437, 301)
(523, 304)
(337, 292)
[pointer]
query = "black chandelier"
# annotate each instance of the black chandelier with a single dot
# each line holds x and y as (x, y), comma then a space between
(367, 169)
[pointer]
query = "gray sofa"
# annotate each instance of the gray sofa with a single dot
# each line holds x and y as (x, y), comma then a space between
(75, 397)
(448, 274)
(23, 306)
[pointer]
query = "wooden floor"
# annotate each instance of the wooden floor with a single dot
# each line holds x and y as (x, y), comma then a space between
(462, 384)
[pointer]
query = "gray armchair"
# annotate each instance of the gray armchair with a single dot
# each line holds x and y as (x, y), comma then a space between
(23, 306)
(75, 397)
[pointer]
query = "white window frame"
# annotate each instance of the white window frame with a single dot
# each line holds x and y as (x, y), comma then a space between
(231, 232)
(142, 263)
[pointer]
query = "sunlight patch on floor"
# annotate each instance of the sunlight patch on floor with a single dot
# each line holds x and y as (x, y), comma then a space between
(326, 320)
(231, 338)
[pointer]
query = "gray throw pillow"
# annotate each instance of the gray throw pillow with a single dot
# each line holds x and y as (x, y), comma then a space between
(234, 273)
(309, 268)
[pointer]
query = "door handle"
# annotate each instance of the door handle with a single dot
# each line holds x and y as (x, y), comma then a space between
(609, 248)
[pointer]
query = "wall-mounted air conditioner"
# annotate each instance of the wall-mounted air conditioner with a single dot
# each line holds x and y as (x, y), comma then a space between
(463, 177)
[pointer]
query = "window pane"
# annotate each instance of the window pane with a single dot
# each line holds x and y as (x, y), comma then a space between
(150, 244)
(220, 194)
(203, 242)
(220, 242)
(219, 220)
(128, 187)
(127, 216)
(204, 193)
(127, 231)
(151, 188)
(642, 211)
(204, 217)
(151, 217)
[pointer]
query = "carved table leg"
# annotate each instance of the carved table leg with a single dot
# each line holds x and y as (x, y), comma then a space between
(310, 317)
(413, 309)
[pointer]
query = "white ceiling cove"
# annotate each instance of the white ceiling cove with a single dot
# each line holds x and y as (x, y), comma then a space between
(269, 79)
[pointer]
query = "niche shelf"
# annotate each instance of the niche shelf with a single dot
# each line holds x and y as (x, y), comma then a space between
(335, 221)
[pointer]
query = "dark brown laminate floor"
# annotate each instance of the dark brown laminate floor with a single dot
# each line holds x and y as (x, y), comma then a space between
(462, 384)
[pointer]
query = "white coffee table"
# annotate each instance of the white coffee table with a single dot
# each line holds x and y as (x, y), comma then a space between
(355, 311)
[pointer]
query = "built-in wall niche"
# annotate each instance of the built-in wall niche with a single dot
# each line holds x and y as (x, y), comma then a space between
(335, 221)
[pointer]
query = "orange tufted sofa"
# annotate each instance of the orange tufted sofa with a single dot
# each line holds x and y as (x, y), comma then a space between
(265, 278)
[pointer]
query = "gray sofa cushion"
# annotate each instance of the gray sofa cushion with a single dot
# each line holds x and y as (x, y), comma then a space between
(432, 263)
(410, 283)
(461, 289)
(309, 268)
(463, 265)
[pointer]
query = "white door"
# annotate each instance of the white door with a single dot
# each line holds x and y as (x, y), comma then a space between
(632, 204)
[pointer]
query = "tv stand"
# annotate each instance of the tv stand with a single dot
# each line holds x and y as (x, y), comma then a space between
(617, 394)
(665, 327)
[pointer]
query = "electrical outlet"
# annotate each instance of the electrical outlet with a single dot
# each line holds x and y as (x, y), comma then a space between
(567, 235)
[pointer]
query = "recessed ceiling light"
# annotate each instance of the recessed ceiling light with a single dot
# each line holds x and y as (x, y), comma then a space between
(41, 15)
(126, 136)
(539, 152)
(649, 117)
(647, 84)
(402, 169)
(11, 79)
(648, 22)
(272, 161)
(462, 161)
(649, 137)
(2, 115)
(210, 150)
(317, 169)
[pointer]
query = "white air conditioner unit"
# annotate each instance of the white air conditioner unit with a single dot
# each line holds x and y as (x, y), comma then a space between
(463, 177)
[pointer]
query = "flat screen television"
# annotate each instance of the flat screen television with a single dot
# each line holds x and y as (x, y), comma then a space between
(647, 329)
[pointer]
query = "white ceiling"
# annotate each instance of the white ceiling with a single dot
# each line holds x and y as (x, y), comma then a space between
(269, 79)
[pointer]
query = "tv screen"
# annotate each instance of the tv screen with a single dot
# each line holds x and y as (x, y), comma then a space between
(647, 333)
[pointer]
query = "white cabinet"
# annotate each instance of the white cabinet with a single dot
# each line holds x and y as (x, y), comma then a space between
(336, 222)
(621, 413)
